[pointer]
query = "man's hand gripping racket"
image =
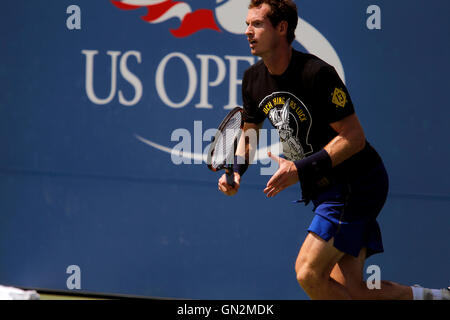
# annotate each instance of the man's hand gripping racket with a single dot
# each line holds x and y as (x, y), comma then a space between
(223, 147)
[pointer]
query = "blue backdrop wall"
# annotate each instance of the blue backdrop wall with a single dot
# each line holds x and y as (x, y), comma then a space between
(95, 96)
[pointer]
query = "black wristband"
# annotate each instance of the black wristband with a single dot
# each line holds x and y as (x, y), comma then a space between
(240, 165)
(312, 172)
(318, 164)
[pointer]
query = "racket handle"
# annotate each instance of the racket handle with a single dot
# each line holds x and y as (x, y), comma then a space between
(230, 177)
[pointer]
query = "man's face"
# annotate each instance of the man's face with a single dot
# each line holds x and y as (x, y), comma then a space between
(262, 36)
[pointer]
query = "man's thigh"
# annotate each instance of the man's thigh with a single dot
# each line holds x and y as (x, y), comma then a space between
(318, 255)
(348, 271)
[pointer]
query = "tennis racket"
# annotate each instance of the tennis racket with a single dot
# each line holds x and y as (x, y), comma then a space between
(224, 144)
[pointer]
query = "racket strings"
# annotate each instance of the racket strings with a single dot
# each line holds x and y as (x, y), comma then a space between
(224, 149)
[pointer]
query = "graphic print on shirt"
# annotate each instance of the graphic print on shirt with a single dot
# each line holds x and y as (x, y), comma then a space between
(292, 120)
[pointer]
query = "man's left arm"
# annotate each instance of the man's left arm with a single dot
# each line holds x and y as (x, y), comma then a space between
(337, 109)
(350, 139)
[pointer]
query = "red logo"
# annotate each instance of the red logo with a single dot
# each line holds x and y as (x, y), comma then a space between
(161, 10)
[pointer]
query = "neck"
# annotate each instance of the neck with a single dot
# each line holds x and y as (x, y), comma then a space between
(278, 62)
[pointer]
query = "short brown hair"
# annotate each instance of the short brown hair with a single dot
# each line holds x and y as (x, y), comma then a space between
(281, 10)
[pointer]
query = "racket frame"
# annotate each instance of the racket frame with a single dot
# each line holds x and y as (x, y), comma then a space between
(228, 167)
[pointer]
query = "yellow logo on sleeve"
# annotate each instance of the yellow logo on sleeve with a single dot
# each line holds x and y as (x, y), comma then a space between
(339, 98)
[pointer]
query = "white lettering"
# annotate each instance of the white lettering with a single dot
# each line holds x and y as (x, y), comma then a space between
(234, 81)
(263, 147)
(74, 20)
(74, 281)
(198, 140)
(374, 281)
(131, 78)
(192, 74)
(374, 21)
(124, 71)
(204, 78)
(89, 82)
(182, 148)
(243, 309)
(205, 82)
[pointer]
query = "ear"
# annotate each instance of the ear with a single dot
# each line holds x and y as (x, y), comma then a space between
(282, 27)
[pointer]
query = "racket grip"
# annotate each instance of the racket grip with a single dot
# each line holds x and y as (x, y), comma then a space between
(230, 177)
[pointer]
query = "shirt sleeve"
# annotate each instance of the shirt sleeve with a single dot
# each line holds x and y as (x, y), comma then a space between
(251, 113)
(332, 95)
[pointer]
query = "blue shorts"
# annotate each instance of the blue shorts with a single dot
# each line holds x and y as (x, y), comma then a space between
(347, 212)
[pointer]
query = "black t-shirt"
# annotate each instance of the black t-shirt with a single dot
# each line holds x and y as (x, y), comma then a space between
(301, 103)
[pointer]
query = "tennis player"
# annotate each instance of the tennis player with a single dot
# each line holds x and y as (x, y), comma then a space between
(325, 151)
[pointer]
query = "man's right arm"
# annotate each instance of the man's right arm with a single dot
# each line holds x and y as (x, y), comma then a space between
(248, 142)
(245, 153)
